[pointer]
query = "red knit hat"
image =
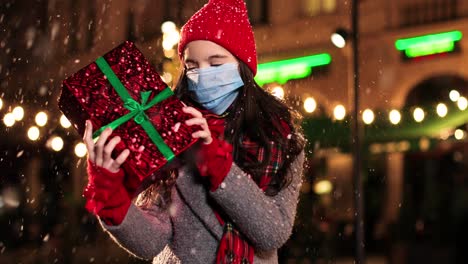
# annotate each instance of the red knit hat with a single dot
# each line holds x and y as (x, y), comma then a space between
(226, 23)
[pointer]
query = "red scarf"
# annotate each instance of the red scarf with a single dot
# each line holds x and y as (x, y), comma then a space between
(234, 247)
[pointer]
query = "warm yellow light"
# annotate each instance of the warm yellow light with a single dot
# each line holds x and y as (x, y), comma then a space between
(376, 148)
(424, 144)
(339, 112)
(323, 187)
(167, 44)
(18, 112)
(9, 119)
(418, 114)
(65, 122)
(173, 37)
(445, 134)
(391, 147)
(454, 95)
(167, 77)
(168, 26)
(80, 150)
(462, 103)
(459, 134)
(442, 110)
(394, 116)
(404, 146)
(56, 143)
(33, 133)
(41, 119)
(368, 116)
(170, 39)
(278, 92)
(1, 103)
(169, 53)
(310, 105)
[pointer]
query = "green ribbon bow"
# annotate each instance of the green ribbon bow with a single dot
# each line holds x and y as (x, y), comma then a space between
(137, 110)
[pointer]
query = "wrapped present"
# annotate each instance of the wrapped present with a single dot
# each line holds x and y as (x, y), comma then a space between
(123, 91)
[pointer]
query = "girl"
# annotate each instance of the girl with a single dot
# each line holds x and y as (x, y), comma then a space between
(235, 201)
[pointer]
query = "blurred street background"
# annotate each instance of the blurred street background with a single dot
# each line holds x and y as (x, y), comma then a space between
(413, 89)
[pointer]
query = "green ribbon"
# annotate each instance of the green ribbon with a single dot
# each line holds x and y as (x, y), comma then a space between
(137, 110)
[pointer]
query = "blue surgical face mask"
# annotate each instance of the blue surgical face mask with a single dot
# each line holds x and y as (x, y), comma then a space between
(215, 88)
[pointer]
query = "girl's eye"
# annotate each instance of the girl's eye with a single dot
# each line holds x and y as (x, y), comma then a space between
(216, 65)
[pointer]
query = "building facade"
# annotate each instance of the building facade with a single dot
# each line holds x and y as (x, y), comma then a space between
(43, 42)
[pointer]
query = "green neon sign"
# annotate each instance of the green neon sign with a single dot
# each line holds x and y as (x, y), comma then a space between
(435, 48)
(429, 44)
(285, 70)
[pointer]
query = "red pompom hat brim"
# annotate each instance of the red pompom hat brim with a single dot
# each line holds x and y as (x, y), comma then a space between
(226, 23)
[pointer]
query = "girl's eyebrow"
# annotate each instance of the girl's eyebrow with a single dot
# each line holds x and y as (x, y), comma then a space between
(190, 61)
(217, 56)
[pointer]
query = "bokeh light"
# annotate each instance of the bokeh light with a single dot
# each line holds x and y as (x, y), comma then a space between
(278, 92)
(80, 150)
(18, 113)
(9, 119)
(310, 105)
(65, 122)
(459, 134)
(168, 26)
(418, 114)
(339, 112)
(394, 116)
(368, 116)
(56, 143)
(462, 103)
(33, 133)
(41, 119)
(323, 187)
(454, 95)
(442, 110)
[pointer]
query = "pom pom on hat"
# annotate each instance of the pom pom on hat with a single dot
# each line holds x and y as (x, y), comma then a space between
(226, 23)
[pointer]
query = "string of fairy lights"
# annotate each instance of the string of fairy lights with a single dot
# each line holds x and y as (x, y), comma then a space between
(56, 143)
(41, 120)
(394, 115)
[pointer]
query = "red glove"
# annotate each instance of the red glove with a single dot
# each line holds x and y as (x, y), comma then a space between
(106, 195)
(215, 159)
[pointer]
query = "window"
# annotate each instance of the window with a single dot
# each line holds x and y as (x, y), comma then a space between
(318, 7)
(258, 11)
(427, 11)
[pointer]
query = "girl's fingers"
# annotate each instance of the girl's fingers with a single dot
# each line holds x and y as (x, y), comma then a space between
(114, 165)
(99, 147)
(121, 158)
(88, 140)
(198, 119)
(109, 148)
(190, 110)
(201, 121)
(204, 135)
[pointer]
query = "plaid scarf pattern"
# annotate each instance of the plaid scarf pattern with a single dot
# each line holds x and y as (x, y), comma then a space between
(234, 248)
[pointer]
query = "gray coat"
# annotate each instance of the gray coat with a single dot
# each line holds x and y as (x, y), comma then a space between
(189, 232)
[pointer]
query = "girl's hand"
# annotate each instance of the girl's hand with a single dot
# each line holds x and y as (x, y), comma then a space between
(100, 153)
(204, 134)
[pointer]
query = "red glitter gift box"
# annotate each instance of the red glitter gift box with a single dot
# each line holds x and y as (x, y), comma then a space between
(123, 91)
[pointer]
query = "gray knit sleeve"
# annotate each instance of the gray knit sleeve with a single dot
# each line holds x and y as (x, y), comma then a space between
(267, 221)
(143, 233)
